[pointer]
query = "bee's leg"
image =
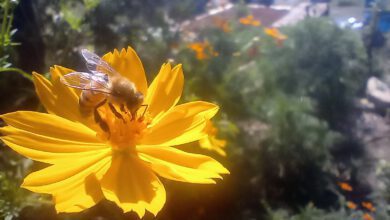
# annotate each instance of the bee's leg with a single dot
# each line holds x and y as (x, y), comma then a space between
(100, 104)
(143, 113)
(98, 119)
(116, 113)
(123, 109)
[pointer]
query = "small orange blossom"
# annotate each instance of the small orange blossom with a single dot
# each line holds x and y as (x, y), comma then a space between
(369, 206)
(276, 34)
(345, 186)
(249, 21)
(351, 205)
(203, 50)
(367, 216)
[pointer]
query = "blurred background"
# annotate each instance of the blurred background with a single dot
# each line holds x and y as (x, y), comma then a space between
(303, 86)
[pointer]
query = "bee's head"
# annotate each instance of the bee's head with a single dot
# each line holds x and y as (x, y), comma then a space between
(134, 102)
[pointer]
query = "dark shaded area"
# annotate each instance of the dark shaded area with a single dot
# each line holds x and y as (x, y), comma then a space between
(31, 51)
(16, 91)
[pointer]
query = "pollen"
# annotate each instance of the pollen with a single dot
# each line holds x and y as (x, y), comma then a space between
(124, 132)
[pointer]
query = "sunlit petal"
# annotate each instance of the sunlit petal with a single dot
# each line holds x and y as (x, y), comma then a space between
(57, 100)
(62, 175)
(72, 181)
(49, 125)
(178, 165)
(131, 184)
(165, 90)
(182, 124)
(47, 138)
(82, 196)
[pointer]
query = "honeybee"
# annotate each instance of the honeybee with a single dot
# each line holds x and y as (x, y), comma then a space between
(101, 85)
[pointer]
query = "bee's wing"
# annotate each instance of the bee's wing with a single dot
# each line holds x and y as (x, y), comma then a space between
(97, 64)
(97, 82)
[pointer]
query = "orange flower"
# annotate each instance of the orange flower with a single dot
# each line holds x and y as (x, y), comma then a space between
(249, 21)
(276, 34)
(345, 186)
(351, 205)
(367, 216)
(203, 50)
(369, 206)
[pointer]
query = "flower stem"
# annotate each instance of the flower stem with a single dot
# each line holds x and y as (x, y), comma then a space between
(21, 72)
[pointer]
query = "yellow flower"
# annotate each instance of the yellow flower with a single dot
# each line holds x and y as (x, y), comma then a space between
(86, 165)
(249, 21)
(210, 142)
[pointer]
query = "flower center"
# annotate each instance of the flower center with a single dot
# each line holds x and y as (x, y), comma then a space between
(122, 130)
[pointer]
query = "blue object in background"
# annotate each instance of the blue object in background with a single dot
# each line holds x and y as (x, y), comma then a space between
(383, 21)
(377, 38)
(369, 3)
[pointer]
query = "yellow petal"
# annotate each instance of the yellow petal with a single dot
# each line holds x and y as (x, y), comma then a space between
(72, 182)
(46, 149)
(128, 64)
(178, 165)
(80, 197)
(133, 186)
(56, 73)
(47, 138)
(49, 125)
(165, 90)
(182, 124)
(57, 100)
(62, 175)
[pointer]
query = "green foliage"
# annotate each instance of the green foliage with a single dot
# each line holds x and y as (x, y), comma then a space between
(91, 4)
(310, 213)
(296, 135)
(6, 31)
(296, 89)
(6, 8)
(73, 13)
(294, 156)
(12, 198)
(321, 61)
